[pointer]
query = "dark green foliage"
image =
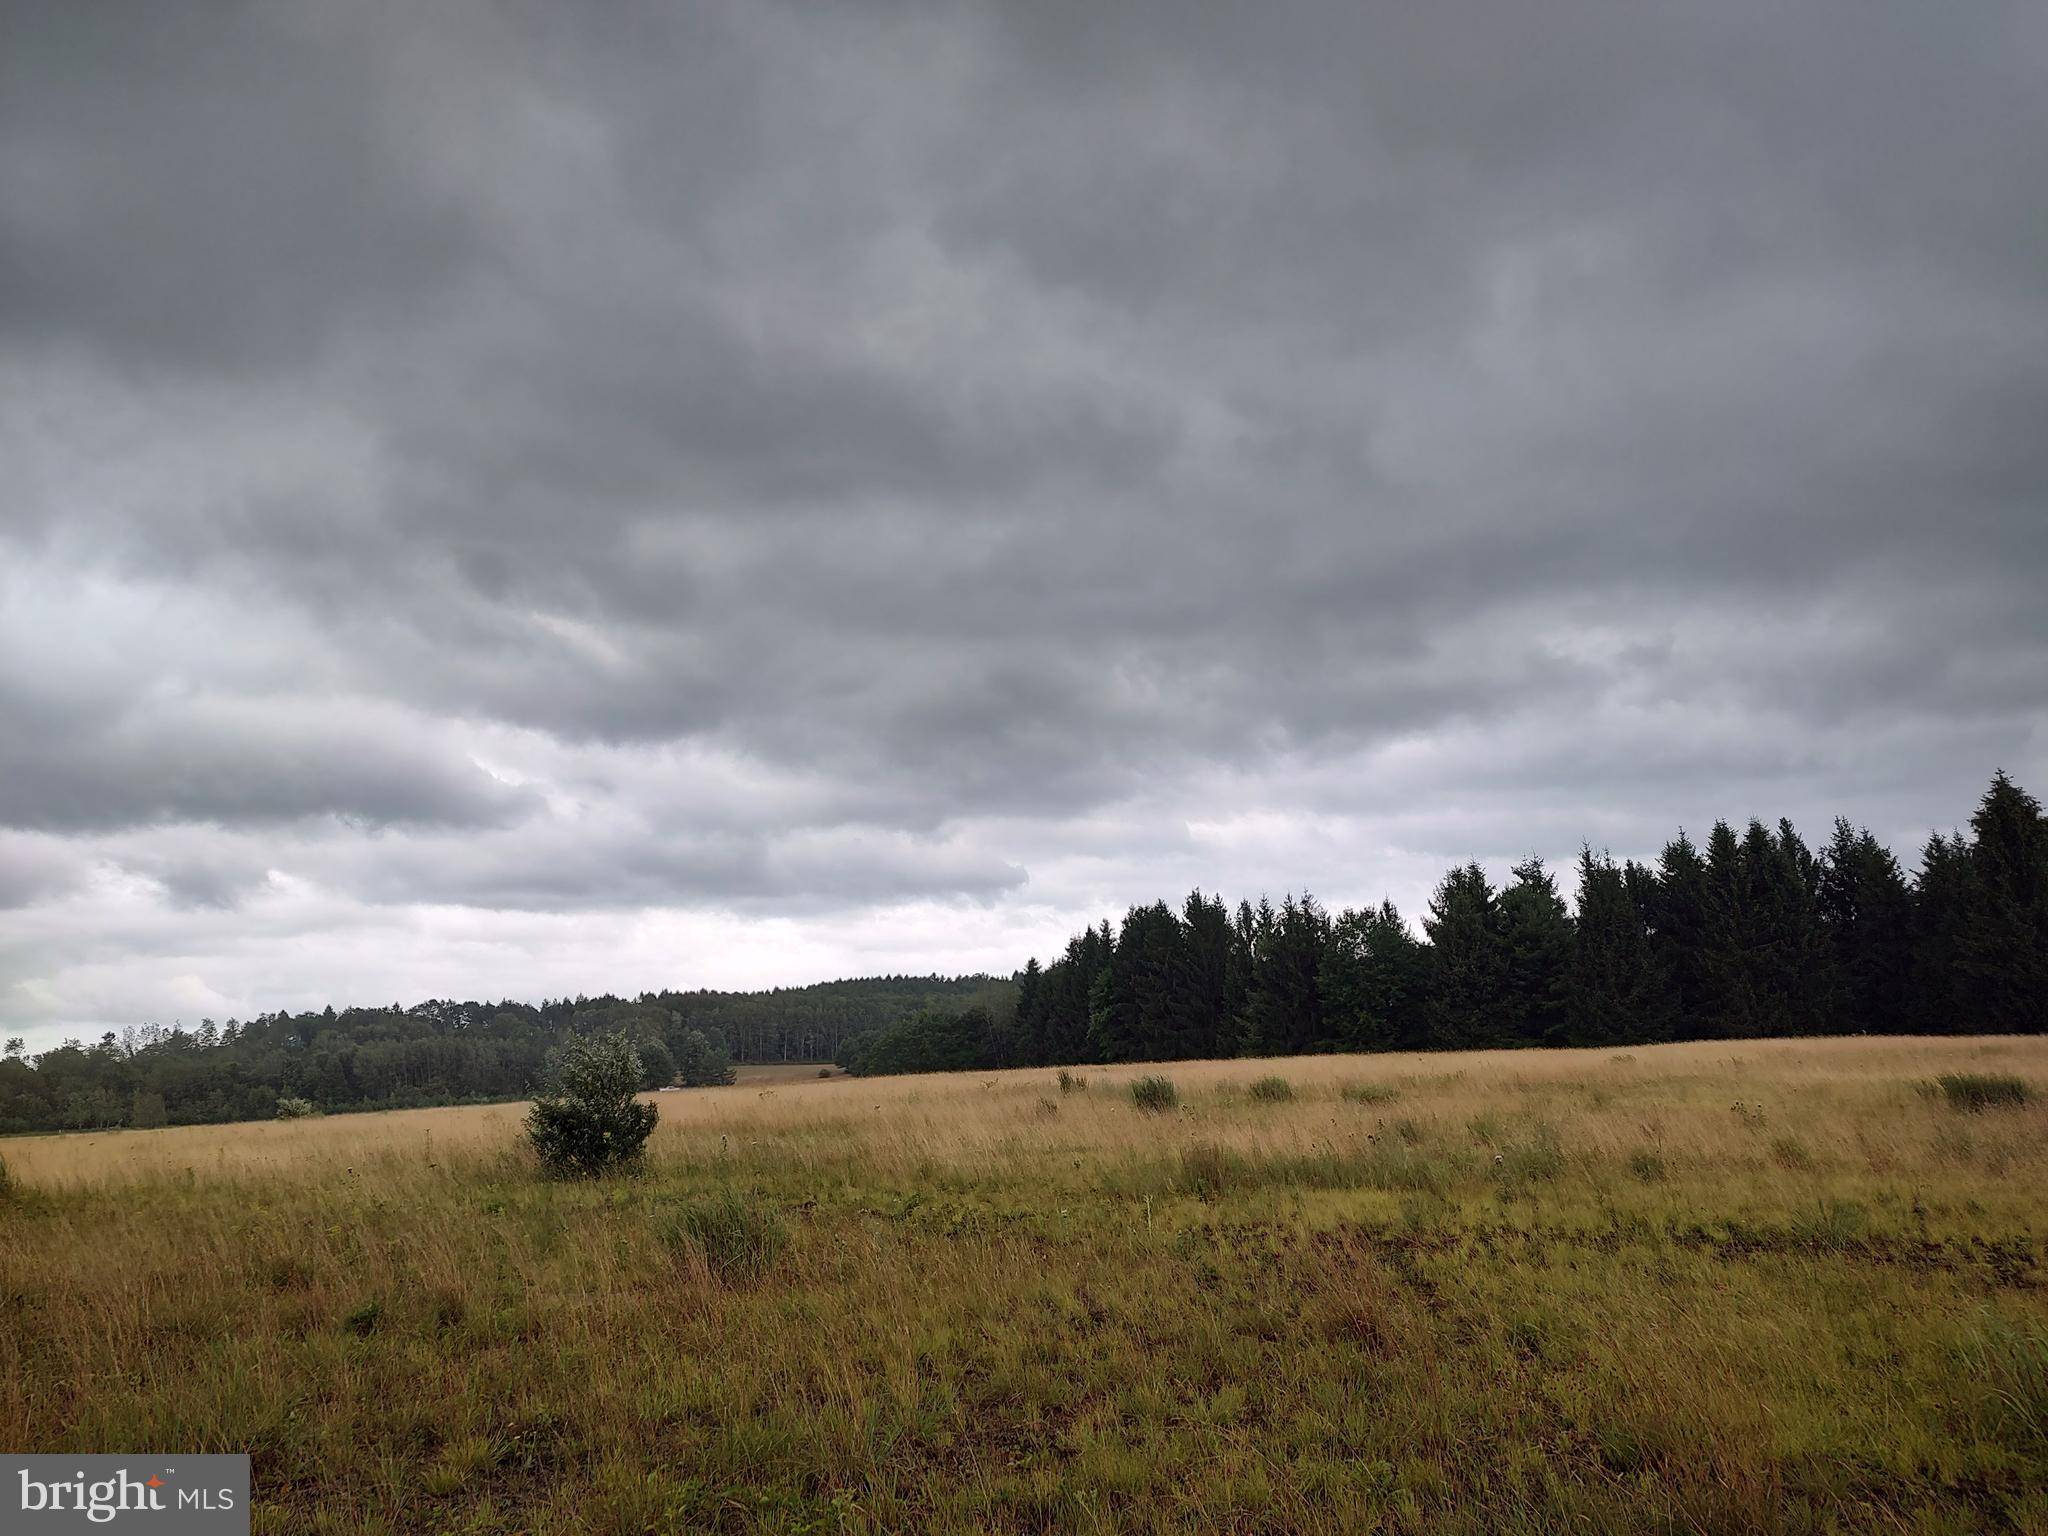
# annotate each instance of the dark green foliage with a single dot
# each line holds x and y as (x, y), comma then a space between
(1619, 985)
(589, 1121)
(1271, 1090)
(935, 1040)
(2002, 955)
(1155, 1093)
(1468, 972)
(1375, 982)
(657, 1066)
(1536, 954)
(700, 1061)
(737, 1239)
(1983, 1090)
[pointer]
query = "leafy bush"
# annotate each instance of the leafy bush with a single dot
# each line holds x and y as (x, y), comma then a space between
(1370, 1093)
(290, 1108)
(1983, 1090)
(737, 1239)
(1156, 1094)
(589, 1121)
(1272, 1090)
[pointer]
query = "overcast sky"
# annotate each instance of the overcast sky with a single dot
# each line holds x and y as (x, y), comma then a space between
(521, 499)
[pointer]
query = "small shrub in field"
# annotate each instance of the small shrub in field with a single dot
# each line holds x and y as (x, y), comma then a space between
(1647, 1166)
(289, 1108)
(1156, 1094)
(1272, 1090)
(362, 1322)
(824, 1071)
(737, 1239)
(1983, 1090)
(1370, 1093)
(589, 1121)
(1072, 1082)
(6, 1182)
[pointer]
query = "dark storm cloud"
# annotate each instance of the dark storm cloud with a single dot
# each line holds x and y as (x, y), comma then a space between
(542, 459)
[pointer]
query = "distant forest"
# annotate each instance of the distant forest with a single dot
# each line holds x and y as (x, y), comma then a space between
(436, 1052)
(1754, 934)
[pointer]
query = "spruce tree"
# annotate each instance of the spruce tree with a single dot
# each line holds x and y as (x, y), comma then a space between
(1536, 949)
(2003, 956)
(1468, 969)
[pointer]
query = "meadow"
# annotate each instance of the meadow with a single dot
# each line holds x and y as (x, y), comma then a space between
(1785, 1286)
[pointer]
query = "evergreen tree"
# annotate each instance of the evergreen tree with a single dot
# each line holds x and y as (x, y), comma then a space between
(1867, 909)
(1619, 988)
(1374, 979)
(2003, 956)
(1677, 903)
(1284, 1006)
(1944, 897)
(1536, 949)
(1468, 968)
(1031, 1015)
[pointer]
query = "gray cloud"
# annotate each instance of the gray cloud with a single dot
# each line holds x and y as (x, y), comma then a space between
(795, 465)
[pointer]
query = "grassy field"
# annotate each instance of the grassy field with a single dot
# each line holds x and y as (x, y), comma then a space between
(1749, 1286)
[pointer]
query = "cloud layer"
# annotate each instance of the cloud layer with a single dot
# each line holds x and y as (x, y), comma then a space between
(507, 500)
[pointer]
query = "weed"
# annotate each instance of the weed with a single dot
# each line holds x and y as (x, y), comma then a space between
(1072, 1082)
(1647, 1166)
(1272, 1090)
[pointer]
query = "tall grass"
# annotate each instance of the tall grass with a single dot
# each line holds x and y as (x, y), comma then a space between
(1516, 1305)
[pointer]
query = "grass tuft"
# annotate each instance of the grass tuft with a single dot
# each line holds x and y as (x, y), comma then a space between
(1155, 1093)
(1369, 1093)
(737, 1239)
(1984, 1090)
(1272, 1090)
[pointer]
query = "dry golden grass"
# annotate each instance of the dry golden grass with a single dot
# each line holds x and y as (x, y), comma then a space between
(1750, 1285)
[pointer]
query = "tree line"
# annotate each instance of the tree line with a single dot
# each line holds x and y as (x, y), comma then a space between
(436, 1052)
(1753, 934)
